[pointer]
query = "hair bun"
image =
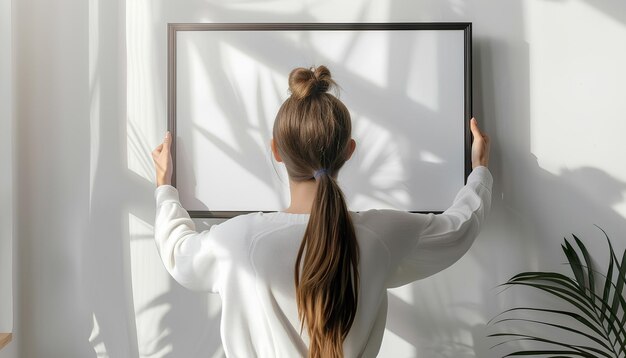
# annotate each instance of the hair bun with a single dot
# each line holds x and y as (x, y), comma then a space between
(304, 82)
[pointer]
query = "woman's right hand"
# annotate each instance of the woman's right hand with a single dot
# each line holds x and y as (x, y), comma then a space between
(480, 146)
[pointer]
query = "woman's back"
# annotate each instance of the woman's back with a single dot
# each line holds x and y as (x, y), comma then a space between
(295, 284)
(249, 260)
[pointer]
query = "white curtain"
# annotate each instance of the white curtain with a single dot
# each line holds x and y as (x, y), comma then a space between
(6, 169)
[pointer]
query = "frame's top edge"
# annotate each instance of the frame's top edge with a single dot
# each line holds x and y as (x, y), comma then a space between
(318, 26)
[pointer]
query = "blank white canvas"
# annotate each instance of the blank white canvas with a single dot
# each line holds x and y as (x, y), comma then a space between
(404, 90)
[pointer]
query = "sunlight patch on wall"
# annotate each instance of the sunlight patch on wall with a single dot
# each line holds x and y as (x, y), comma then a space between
(431, 157)
(369, 65)
(151, 284)
(393, 343)
(423, 69)
(96, 341)
(336, 50)
(378, 157)
(94, 90)
(458, 6)
(403, 293)
(260, 7)
(348, 11)
(620, 208)
(576, 87)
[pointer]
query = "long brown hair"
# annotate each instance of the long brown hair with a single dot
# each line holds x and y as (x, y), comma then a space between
(312, 132)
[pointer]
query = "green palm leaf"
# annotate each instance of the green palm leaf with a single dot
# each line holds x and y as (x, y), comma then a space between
(618, 294)
(579, 318)
(601, 312)
(574, 348)
(597, 308)
(591, 337)
(590, 278)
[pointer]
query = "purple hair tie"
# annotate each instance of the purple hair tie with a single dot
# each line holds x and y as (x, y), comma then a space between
(320, 172)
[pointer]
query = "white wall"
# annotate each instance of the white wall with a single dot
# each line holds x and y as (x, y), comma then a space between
(91, 105)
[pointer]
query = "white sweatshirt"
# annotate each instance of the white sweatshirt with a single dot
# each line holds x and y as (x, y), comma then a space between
(249, 260)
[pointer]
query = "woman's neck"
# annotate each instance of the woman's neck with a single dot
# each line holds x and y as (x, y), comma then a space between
(302, 196)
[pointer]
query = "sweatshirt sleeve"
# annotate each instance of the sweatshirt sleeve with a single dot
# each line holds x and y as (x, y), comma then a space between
(191, 257)
(444, 238)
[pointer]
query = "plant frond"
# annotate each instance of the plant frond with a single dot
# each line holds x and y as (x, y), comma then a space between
(590, 278)
(589, 336)
(583, 351)
(579, 318)
(602, 310)
(575, 265)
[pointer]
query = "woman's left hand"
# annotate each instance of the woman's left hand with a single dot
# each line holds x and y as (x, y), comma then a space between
(163, 161)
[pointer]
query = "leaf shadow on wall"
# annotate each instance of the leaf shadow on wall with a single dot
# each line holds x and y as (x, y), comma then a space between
(447, 309)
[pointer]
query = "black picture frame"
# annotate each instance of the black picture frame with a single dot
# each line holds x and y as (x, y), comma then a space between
(174, 28)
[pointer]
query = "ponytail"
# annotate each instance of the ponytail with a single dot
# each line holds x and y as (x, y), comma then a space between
(312, 132)
(327, 285)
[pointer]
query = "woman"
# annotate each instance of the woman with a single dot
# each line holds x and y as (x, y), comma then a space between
(312, 280)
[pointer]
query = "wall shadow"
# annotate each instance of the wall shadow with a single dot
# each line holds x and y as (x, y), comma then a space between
(532, 209)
